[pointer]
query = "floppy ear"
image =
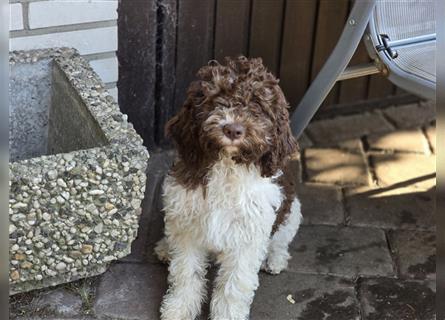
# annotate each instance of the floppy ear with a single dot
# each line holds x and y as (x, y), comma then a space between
(283, 143)
(184, 131)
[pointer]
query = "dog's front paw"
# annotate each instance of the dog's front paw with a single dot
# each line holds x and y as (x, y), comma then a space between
(169, 312)
(161, 251)
(274, 266)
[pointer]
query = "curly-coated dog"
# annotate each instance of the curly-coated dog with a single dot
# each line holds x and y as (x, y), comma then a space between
(229, 193)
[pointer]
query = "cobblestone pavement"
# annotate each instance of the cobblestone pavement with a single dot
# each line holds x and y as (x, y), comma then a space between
(366, 249)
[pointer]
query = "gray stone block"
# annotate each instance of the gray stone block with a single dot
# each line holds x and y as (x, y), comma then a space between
(415, 253)
(350, 144)
(74, 203)
(131, 291)
(336, 166)
(398, 208)
(412, 115)
(311, 297)
(329, 132)
(60, 301)
(393, 299)
(413, 170)
(346, 251)
(304, 141)
(321, 204)
(412, 140)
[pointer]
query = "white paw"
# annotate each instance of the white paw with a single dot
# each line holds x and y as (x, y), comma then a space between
(274, 266)
(161, 251)
(175, 313)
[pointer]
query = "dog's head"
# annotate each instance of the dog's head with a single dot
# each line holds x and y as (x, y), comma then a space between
(235, 110)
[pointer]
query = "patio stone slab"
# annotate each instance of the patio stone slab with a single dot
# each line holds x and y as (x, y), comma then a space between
(336, 166)
(415, 170)
(431, 134)
(131, 291)
(58, 303)
(415, 252)
(315, 297)
(48, 317)
(342, 251)
(411, 115)
(392, 299)
(412, 140)
(328, 132)
(399, 208)
(350, 144)
(321, 204)
(304, 141)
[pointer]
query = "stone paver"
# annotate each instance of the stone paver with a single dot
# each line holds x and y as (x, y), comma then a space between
(392, 299)
(315, 297)
(351, 144)
(321, 204)
(414, 170)
(304, 141)
(50, 317)
(415, 252)
(400, 208)
(67, 301)
(336, 167)
(44, 303)
(431, 134)
(411, 115)
(412, 140)
(60, 301)
(328, 132)
(342, 251)
(131, 291)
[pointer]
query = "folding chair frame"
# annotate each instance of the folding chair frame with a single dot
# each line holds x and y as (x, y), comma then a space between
(334, 69)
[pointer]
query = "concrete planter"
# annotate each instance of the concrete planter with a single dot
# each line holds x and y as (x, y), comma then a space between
(77, 172)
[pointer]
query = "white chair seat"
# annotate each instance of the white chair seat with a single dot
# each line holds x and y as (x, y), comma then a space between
(419, 60)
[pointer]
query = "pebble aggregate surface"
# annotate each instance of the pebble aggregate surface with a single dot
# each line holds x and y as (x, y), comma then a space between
(71, 214)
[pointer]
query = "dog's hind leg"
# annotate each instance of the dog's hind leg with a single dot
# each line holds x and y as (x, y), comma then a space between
(278, 251)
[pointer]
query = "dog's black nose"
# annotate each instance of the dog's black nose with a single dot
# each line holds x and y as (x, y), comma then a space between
(234, 131)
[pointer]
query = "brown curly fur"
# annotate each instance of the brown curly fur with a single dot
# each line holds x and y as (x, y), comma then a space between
(256, 101)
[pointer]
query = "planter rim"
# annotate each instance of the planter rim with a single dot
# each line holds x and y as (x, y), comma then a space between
(103, 108)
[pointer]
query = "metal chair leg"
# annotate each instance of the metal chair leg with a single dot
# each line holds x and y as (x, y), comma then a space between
(334, 66)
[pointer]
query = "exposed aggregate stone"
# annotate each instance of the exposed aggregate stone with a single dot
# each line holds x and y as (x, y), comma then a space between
(73, 213)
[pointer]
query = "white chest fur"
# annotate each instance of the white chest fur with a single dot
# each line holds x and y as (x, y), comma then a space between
(238, 207)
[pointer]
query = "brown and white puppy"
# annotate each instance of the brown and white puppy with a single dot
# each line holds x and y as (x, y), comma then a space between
(226, 194)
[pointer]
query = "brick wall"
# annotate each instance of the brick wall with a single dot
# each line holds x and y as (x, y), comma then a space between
(90, 26)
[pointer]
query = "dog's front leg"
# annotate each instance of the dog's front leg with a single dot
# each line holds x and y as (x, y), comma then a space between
(186, 278)
(236, 283)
